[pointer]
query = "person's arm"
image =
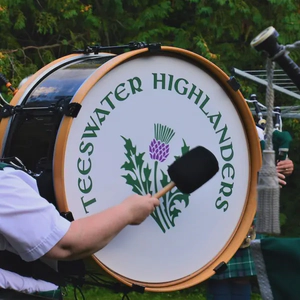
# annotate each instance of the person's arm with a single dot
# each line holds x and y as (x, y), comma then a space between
(90, 234)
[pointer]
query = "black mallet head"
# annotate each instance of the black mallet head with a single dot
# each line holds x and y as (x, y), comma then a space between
(193, 169)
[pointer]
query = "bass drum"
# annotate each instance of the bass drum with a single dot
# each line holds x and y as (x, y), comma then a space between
(104, 127)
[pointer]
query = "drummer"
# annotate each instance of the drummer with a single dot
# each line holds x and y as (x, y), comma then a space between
(33, 229)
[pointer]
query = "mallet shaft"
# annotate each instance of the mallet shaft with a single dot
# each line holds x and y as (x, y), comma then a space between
(164, 190)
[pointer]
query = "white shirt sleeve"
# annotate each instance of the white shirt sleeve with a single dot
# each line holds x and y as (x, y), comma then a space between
(10, 280)
(260, 133)
(29, 225)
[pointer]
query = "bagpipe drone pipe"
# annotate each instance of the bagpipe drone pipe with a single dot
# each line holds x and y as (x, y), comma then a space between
(277, 259)
(281, 138)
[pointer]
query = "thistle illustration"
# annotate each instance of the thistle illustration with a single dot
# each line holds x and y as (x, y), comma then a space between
(159, 147)
(139, 176)
(159, 150)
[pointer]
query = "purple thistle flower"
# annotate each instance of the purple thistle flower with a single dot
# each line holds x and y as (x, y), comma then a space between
(158, 151)
(159, 148)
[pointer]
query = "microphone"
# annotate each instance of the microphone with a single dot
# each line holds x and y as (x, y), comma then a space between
(191, 171)
(267, 41)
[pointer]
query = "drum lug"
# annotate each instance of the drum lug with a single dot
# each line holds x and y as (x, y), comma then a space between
(72, 109)
(67, 215)
(234, 84)
(138, 288)
(9, 110)
(220, 268)
(154, 47)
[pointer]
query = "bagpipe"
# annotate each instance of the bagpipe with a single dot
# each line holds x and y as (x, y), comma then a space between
(281, 138)
(281, 142)
(277, 259)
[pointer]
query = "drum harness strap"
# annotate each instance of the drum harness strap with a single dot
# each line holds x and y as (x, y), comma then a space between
(69, 272)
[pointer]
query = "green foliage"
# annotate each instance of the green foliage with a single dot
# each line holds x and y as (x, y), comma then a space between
(20, 21)
(218, 30)
(197, 292)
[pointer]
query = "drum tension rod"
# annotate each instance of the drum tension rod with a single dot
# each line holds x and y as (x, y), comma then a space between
(70, 110)
(152, 47)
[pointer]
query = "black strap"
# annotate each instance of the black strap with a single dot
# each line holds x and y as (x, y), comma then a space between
(39, 270)
(35, 269)
(16, 163)
(44, 179)
(14, 295)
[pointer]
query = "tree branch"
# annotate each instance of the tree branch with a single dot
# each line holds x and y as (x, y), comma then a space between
(30, 47)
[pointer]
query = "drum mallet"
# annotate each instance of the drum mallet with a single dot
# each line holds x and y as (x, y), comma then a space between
(191, 171)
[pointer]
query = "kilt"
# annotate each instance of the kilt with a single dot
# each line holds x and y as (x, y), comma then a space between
(240, 265)
(278, 264)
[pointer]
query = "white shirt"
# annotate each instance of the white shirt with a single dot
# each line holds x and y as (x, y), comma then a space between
(261, 133)
(29, 226)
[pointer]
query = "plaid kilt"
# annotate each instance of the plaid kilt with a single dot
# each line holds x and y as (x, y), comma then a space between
(240, 265)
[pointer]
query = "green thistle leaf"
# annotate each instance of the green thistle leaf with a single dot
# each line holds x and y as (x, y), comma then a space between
(130, 153)
(139, 178)
(175, 213)
(171, 199)
(139, 160)
(184, 149)
(128, 165)
(147, 182)
(176, 199)
(165, 179)
(136, 186)
(129, 147)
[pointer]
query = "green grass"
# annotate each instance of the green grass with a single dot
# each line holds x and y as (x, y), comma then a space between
(194, 293)
(106, 294)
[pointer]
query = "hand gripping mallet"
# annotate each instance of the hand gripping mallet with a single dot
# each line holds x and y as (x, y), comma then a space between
(191, 171)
